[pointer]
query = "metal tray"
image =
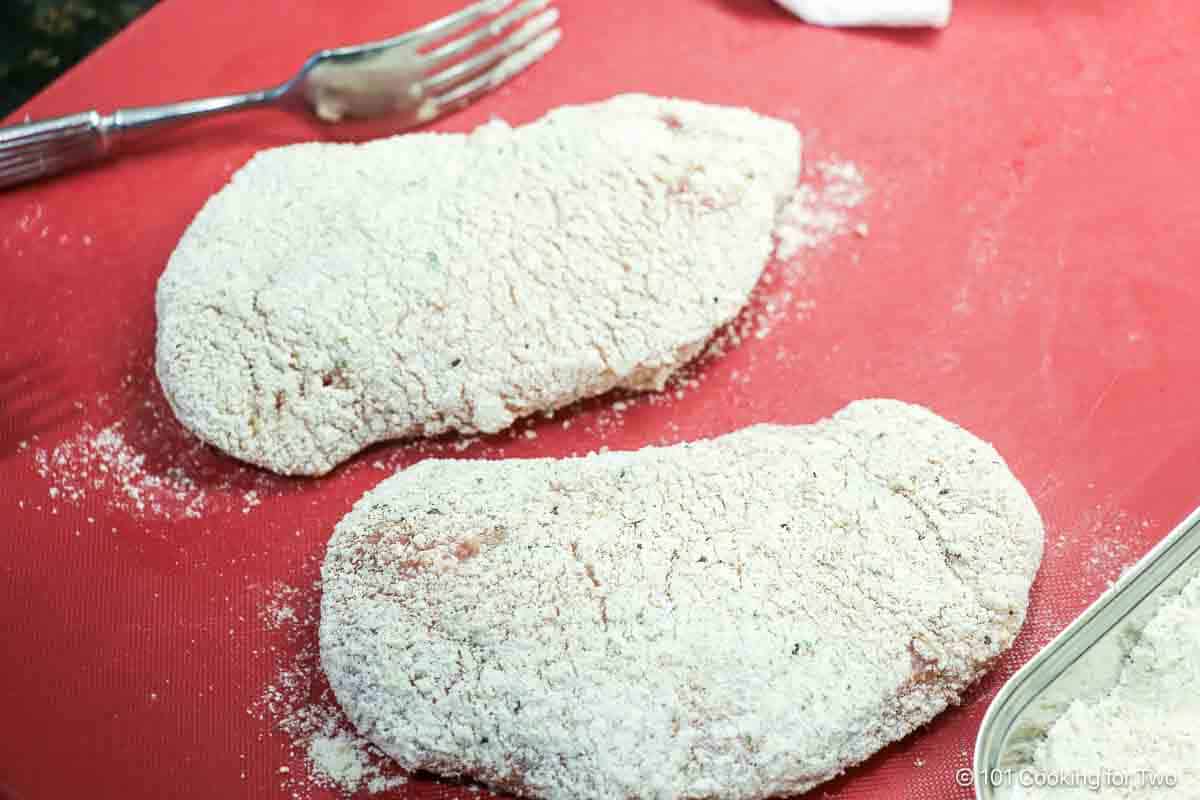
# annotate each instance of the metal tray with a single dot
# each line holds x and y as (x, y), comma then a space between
(1083, 662)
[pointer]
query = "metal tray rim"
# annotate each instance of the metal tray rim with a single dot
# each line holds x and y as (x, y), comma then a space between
(1107, 612)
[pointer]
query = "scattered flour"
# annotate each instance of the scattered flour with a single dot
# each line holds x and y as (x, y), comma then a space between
(103, 461)
(324, 750)
(1108, 559)
(1146, 729)
(281, 607)
(1106, 530)
(130, 455)
(347, 761)
(820, 209)
(818, 212)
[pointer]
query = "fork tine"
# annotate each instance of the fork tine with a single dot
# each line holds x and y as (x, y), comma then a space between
(468, 69)
(444, 26)
(497, 26)
(513, 65)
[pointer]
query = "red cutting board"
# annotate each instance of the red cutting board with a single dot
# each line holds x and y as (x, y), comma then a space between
(1030, 273)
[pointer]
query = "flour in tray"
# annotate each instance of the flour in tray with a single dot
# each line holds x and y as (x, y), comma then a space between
(1140, 739)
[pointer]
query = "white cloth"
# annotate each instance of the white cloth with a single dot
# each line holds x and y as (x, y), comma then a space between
(892, 13)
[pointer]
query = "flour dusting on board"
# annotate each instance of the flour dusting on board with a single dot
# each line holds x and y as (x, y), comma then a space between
(1107, 530)
(131, 455)
(324, 751)
(820, 209)
(104, 460)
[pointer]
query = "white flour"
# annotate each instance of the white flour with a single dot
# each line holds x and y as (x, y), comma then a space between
(820, 209)
(324, 751)
(333, 296)
(102, 462)
(137, 460)
(741, 617)
(1149, 725)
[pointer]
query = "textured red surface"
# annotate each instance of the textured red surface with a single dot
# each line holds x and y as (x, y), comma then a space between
(1030, 273)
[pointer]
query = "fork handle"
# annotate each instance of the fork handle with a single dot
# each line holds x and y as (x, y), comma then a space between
(35, 150)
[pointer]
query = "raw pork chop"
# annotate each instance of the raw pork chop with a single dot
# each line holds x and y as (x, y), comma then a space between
(738, 618)
(335, 295)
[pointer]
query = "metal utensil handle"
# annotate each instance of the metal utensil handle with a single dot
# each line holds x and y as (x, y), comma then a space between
(37, 149)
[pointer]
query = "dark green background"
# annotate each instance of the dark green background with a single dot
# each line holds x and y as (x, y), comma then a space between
(41, 39)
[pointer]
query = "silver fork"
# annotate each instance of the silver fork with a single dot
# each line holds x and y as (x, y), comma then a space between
(402, 76)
